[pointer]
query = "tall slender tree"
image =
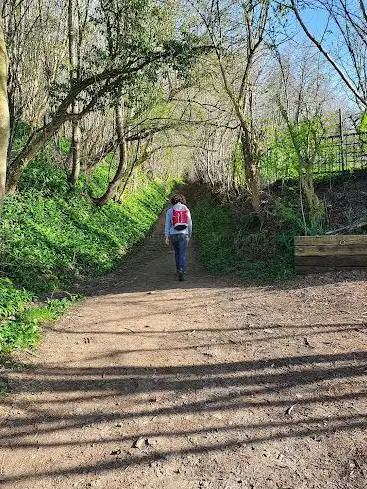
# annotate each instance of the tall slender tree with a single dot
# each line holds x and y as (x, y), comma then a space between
(4, 114)
(74, 70)
(237, 30)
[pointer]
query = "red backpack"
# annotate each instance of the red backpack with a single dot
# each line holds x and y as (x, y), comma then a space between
(180, 217)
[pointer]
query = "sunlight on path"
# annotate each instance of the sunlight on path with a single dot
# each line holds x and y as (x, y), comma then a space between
(155, 384)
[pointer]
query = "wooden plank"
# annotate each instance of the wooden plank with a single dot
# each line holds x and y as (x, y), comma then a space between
(332, 261)
(308, 269)
(324, 240)
(330, 250)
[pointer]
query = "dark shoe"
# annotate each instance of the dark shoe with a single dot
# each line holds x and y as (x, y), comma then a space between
(181, 275)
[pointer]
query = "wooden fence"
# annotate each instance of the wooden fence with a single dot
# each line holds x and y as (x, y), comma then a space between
(327, 253)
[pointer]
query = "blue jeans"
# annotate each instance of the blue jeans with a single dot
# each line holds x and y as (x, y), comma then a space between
(180, 243)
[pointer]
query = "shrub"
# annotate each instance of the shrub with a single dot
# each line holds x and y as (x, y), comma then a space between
(237, 245)
(52, 235)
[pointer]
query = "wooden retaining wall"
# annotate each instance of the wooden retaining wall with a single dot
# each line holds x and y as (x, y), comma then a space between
(327, 253)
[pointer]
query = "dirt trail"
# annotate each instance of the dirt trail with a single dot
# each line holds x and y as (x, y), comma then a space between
(152, 383)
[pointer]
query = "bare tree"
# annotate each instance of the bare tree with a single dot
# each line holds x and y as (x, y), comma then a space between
(237, 30)
(4, 114)
(300, 102)
(350, 20)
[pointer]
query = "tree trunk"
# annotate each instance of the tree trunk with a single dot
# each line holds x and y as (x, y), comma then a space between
(127, 179)
(121, 169)
(75, 148)
(252, 171)
(316, 211)
(12, 122)
(30, 150)
(76, 132)
(4, 115)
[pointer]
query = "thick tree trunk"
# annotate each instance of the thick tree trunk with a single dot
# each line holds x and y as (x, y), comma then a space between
(121, 169)
(30, 150)
(4, 114)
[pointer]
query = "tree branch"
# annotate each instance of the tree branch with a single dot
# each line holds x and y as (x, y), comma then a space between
(333, 63)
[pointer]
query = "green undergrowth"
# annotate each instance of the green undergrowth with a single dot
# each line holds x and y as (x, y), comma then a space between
(232, 242)
(52, 236)
(23, 331)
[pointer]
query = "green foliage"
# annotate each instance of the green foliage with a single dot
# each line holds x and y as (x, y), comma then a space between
(18, 334)
(141, 33)
(306, 137)
(12, 299)
(363, 124)
(235, 244)
(287, 215)
(281, 160)
(24, 331)
(65, 145)
(98, 181)
(362, 130)
(21, 133)
(52, 235)
(289, 150)
(43, 178)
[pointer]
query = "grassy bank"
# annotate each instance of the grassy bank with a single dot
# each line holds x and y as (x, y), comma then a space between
(52, 236)
(230, 239)
(233, 243)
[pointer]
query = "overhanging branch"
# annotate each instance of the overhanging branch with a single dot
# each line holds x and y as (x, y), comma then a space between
(349, 83)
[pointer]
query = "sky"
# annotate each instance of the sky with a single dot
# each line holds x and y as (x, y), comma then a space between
(323, 29)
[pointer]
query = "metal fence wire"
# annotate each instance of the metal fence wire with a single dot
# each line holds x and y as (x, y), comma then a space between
(342, 153)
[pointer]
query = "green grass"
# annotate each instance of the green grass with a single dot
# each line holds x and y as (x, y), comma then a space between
(24, 331)
(230, 240)
(52, 236)
(12, 299)
(235, 244)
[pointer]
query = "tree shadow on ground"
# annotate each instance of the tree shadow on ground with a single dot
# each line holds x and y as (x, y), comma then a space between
(195, 391)
(226, 405)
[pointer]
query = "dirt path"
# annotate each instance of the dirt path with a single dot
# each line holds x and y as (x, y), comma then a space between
(151, 383)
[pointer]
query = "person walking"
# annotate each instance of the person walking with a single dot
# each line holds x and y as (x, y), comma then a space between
(178, 231)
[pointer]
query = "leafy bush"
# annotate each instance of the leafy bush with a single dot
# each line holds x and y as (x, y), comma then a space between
(12, 299)
(238, 246)
(24, 331)
(52, 235)
(49, 241)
